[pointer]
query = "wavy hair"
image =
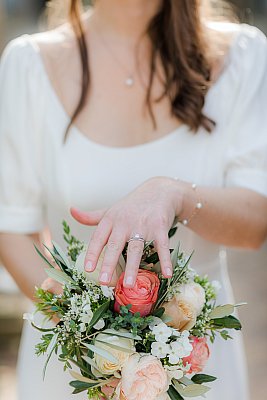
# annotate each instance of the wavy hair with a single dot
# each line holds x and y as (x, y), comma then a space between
(178, 37)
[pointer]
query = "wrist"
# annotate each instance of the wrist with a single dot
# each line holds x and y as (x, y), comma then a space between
(190, 202)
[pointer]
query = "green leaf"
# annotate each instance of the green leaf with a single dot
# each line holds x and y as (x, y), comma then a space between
(101, 352)
(203, 378)
(174, 255)
(91, 362)
(173, 394)
(158, 312)
(61, 254)
(154, 258)
(81, 386)
(126, 335)
(172, 231)
(43, 257)
(222, 311)
(59, 276)
(82, 378)
(192, 390)
(229, 322)
(42, 329)
(51, 348)
(100, 311)
(115, 347)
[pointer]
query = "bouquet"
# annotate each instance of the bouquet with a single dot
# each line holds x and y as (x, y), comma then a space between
(145, 343)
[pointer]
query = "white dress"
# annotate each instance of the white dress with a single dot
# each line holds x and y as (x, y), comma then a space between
(40, 178)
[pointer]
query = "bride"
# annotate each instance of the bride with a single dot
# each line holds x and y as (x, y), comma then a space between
(136, 112)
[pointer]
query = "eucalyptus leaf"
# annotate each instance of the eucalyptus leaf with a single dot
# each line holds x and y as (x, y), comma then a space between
(192, 390)
(116, 347)
(82, 378)
(222, 311)
(91, 362)
(101, 352)
(59, 276)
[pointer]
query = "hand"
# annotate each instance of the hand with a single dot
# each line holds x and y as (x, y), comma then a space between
(149, 211)
(52, 286)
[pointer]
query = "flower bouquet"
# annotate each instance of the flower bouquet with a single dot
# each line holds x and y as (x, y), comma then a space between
(145, 343)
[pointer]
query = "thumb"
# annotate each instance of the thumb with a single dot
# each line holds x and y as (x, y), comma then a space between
(88, 218)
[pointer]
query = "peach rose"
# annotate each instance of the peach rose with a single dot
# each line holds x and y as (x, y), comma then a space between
(199, 355)
(143, 378)
(183, 315)
(109, 389)
(142, 296)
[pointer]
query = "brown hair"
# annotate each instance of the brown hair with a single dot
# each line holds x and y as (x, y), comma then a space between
(178, 38)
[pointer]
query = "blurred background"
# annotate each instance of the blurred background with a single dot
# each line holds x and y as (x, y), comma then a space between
(248, 269)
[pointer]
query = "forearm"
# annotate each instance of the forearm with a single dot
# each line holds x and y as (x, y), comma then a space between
(22, 262)
(230, 216)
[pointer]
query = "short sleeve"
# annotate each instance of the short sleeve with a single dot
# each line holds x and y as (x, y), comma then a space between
(246, 156)
(21, 208)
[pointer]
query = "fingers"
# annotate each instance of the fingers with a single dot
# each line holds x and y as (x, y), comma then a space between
(96, 244)
(87, 218)
(113, 250)
(163, 248)
(52, 286)
(134, 255)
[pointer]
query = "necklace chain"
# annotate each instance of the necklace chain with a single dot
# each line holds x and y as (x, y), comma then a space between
(130, 80)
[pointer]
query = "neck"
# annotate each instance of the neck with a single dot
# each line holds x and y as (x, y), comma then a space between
(127, 20)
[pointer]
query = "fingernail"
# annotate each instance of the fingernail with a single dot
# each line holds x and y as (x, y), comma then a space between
(168, 272)
(129, 281)
(89, 266)
(104, 277)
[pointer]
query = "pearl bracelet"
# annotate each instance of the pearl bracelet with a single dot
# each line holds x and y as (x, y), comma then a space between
(198, 206)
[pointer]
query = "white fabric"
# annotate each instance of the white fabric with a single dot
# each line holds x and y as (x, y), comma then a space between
(40, 178)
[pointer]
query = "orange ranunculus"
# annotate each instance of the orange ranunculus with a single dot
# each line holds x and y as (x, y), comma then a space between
(142, 296)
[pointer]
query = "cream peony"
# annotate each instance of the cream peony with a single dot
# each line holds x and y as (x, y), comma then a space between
(94, 276)
(183, 315)
(143, 378)
(105, 366)
(192, 293)
(185, 306)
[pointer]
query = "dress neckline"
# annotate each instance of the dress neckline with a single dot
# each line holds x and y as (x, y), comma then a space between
(183, 128)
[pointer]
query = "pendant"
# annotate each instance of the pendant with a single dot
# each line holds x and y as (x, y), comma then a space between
(129, 81)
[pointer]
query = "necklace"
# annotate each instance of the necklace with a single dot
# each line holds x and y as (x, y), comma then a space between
(129, 81)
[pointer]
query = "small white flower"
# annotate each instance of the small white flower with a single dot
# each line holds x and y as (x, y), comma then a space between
(179, 349)
(160, 350)
(155, 321)
(108, 292)
(216, 286)
(162, 332)
(99, 325)
(82, 327)
(173, 372)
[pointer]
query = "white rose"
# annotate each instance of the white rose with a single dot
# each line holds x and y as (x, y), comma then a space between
(105, 366)
(94, 276)
(192, 293)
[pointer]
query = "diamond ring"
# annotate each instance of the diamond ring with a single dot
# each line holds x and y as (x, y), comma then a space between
(137, 237)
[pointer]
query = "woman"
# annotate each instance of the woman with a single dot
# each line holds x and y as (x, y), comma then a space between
(166, 100)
